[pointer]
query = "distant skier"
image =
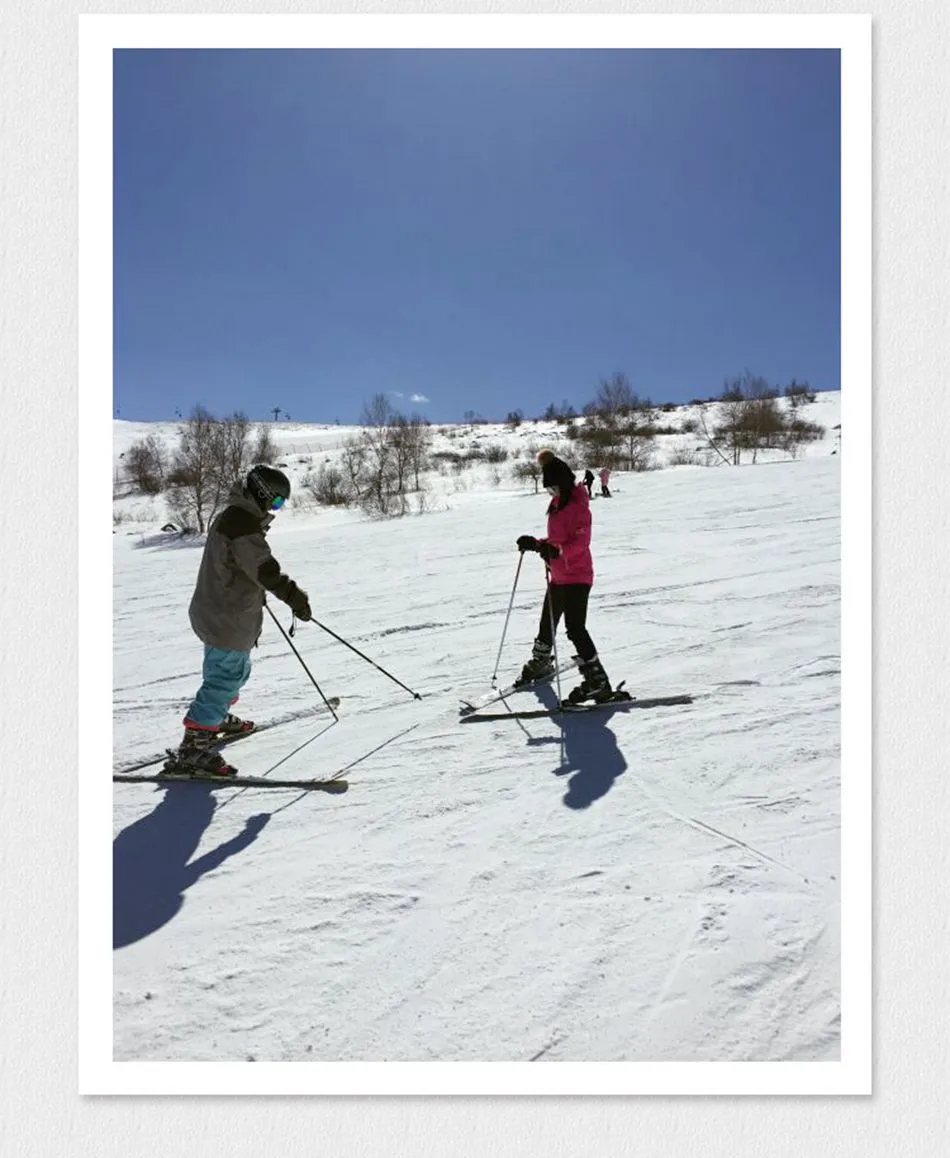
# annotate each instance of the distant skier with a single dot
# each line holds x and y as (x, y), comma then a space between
(227, 613)
(604, 489)
(589, 482)
(566, 550)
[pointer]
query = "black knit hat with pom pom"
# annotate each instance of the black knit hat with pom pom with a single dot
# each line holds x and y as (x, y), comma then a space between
(555, 472)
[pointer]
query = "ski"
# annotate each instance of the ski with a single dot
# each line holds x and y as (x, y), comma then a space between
(467, 707)
(580, 709)
(151, 761)
(230, 781)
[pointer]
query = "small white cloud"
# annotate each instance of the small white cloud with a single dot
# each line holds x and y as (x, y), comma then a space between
(396, 393)
(419, 398)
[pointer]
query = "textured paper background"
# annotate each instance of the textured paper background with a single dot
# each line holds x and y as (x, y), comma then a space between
(40, 1112)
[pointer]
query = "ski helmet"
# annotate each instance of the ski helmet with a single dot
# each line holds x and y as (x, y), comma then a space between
(268, 487)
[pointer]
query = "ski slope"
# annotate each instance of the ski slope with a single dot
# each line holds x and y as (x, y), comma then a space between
(656, 885)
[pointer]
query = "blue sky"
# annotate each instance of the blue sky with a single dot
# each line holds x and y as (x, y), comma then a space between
(469, 230)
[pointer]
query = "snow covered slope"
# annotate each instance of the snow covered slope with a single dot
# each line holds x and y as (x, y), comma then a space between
(637, 886)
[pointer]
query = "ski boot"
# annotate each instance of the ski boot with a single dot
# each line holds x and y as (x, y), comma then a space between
(197, 756)
(539, 667)
(595, 685)
(232, 727)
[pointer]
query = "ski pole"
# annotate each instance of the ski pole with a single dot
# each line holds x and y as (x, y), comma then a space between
(415, 695)
(557, 666)
(504, 631)
(302, 664)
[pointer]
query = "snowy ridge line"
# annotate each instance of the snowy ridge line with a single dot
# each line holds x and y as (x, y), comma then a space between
(290, 718)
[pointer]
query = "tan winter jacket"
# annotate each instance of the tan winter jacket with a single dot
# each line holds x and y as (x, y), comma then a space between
(237, 567)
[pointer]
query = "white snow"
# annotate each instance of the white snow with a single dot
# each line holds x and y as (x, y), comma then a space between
(638, 886)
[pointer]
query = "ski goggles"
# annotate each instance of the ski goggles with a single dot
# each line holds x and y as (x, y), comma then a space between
(277, 502)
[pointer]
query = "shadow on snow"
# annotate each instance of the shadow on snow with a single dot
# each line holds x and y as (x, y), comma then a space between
(590, 751)
(151, 860)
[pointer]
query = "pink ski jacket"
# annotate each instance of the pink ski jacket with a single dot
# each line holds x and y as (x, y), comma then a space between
(569, 529)
(604, 475)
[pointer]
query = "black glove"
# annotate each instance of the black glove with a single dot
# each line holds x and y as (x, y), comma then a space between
(527, 543)
(548, 551)
(298, 603)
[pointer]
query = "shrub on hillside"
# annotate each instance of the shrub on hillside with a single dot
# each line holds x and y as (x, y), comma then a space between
(146, 464)
(265, 449)
(328, 486)
(685, 456)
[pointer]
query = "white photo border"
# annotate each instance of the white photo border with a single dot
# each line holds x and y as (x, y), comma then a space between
(99, 36)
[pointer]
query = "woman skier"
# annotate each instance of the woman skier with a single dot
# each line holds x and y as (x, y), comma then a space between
(566, 551)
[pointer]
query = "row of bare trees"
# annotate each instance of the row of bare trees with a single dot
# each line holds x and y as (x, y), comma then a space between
(747, 418)
(196, 476)
(381, 466)
(619, 428)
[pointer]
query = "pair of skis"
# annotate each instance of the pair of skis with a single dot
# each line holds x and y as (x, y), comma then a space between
(331, 785)
(136, 774)
(471, 711)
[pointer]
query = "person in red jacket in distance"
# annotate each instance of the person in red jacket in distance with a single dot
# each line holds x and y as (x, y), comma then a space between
(566, 551)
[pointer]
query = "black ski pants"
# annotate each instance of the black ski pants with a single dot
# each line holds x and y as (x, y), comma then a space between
(569, 600)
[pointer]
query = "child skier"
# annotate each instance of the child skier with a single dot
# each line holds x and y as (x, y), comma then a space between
(566, 551)
(604, 489)
(227, 613)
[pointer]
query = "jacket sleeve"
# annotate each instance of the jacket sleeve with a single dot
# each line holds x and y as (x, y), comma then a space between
(572, 530)
(251, 553)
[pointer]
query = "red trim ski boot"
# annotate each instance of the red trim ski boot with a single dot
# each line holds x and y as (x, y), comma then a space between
(198, 756)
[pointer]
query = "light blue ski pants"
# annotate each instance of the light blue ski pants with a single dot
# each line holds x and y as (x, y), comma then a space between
(223, 674)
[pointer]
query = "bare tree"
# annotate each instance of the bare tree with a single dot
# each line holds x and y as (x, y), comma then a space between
(798, 393)
(352, 461)
(411, 439)
(528, 471)
(615, 396)
(192, 480)
(381, 490)
(232, 450)
(212, 455)
(146, 464)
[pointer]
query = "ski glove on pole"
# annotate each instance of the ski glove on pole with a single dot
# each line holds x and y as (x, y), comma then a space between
(298, 602)
(547, 551)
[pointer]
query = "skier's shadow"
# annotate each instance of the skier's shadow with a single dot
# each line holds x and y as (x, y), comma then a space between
(150, 860)
(590, 752)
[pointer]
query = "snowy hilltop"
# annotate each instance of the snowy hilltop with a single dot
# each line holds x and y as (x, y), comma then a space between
(626, 885)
